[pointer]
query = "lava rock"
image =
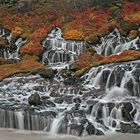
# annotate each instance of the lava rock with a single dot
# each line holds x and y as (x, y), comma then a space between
(34, 99)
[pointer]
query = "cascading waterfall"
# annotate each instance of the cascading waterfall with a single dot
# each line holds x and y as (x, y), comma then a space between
(105, 101)
(115, 43)
(59, 51)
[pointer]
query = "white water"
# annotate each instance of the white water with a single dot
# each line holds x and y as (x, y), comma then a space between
(10, 52)
(115, 43)
(59, 51)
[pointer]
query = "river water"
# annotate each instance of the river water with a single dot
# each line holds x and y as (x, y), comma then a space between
(10, 134)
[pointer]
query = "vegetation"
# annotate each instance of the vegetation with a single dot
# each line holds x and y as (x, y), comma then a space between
(79, 19)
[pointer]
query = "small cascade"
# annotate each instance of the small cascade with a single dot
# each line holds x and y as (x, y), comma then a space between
(115, 75)
(115, 43)
(56, 124)
(59, 51)
(22, 120)
(11, 49)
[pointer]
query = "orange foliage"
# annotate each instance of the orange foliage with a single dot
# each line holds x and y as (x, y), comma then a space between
(17, 31)
(74, 34)
(28, 64)
(31, 48)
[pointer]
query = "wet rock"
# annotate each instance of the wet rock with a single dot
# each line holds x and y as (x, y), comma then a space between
(90, 129)
(48, 113)
(84, 121)
(99, 132)
(105, 75)
(119, 73)
(73, 80)
(112, 80)
(76, 129)
(58, 100)
(79, 113)
(46, 73)
(34, 99)
(126, 115)
(128, 106)
(130, 87)
(45, 97)
(55, 94)
(49, 103)
(130, 128)
(77, 100)
(68, 99)
(100, 112)
(136, 74)
(110, 106)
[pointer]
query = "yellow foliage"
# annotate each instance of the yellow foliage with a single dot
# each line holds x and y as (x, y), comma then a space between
(74, 34)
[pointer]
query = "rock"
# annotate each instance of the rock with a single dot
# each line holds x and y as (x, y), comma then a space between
(68, 99)
(76, 129)
(126, 112)
(48, 113)
(58, 100)
(49, 103)
(90, 129)
(130, 128)
(99, 132)
(73, 80)
(46, 73)
(119, 72)
(77, 100)
(105, 75)
(34, 99)
(79, 113)
(55, 94)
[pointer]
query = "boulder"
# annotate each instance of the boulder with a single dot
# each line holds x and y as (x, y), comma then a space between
(34, 99)
(45, 73)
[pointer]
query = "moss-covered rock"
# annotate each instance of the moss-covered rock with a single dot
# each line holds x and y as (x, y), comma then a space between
(45, 72)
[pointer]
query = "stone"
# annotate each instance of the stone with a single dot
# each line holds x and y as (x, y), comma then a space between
(58, 100)
(34, 99)
(90, 129)
(45, 73)
(77, 100)
(76, 129)
(49, 103)
(99, 132)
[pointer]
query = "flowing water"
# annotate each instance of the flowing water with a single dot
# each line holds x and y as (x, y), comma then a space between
(11, 50)
(101, 102)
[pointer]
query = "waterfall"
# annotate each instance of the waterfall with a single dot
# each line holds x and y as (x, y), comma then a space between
(116, 43)
(22, 120)
(101, 101)
(59, 51)
(11, 50)
(56, 124)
